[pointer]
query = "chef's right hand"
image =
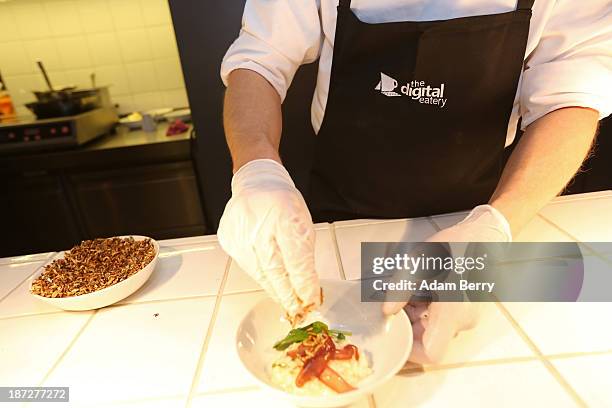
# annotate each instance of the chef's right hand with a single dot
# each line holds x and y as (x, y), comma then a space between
(267, 229)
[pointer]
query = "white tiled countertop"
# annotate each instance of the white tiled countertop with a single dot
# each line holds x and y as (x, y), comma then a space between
(172, 342)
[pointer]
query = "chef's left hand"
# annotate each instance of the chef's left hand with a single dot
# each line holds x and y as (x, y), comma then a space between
(435, 324)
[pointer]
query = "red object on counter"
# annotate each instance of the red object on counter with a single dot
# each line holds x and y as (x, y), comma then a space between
(176, 128)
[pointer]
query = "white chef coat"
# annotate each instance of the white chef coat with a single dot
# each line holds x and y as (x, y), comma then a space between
(568, 60)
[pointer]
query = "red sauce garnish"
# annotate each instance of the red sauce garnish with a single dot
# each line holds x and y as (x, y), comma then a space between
(346, 353)
(316, 366)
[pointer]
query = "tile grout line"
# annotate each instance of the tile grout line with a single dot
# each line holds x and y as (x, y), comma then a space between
(374, 221)
(17, 261)
(578, 354)
(114, 305)
(19, 284)
(207, 336)
(416, 369)
(22, 263)
(332, 229)
(186, 251)
(371, 401)
(575, 239)
(68, 348)
(558, 228)
(43, 263)
(219, 391)
(174, 299)
(22, 316)
(249, 388)
(243, 292)
(508, 360)
(433, 224)
(563, 382)
(580, 197)
(551, 368)
(136, 401)
(467, 364)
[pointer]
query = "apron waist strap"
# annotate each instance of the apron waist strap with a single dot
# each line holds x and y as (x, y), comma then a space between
(520, 4)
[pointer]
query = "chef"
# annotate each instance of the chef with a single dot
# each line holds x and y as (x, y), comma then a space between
(415, 103)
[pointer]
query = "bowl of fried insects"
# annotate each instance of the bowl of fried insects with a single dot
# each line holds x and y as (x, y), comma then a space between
(96, 273)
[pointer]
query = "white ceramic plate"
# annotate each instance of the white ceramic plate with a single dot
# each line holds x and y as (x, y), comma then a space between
(386, 340)
(131, 124)
(182, 114)
(106, 296)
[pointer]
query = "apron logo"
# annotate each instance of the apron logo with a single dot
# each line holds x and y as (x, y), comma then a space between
(387, 85)
(417, 90)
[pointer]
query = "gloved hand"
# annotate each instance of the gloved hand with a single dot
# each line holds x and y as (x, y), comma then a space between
(267, 229)
(435, 324)
(483, 224)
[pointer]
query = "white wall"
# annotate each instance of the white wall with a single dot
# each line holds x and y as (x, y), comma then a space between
(129, 44)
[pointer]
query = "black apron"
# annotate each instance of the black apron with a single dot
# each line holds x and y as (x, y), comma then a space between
(416, 115)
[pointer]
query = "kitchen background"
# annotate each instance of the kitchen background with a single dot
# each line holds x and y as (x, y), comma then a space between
(67, 179)
(128, 44)
(141, 182)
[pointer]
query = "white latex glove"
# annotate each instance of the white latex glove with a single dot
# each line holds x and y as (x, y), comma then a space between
(435, 324)
(483, 224)
(267, 229)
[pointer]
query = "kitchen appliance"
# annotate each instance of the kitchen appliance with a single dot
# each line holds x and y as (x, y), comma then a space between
(66, 101)
(56, 133)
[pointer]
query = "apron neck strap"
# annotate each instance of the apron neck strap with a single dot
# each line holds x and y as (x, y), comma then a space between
(346, 4)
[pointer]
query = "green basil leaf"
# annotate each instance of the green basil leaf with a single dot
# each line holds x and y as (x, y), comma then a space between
(319, 327)
(294, 336)
(340, 334)
(300, 334)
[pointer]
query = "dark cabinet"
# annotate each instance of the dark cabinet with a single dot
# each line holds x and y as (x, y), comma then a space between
(35, 214)
(160, 201)
(126, 183)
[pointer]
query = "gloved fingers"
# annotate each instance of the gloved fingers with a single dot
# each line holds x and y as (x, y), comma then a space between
(392, 304)
(417, 310)
(417, 354)
(296, 245)
(229, 235)
(436, 345)
(247, 261)
(262, 280)
(396, 300)
(390, 308)
(417, 330)
(444, 320)
(270, 265)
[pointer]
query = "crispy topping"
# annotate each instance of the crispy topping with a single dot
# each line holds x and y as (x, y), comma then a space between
(93, 265)
(300, 316)
(312, 347)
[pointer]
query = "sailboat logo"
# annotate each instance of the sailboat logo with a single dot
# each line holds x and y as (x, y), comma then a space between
(387, 85)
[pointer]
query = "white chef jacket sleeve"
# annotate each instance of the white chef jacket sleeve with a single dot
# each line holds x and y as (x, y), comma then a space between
(572, 63)
(276, 37)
